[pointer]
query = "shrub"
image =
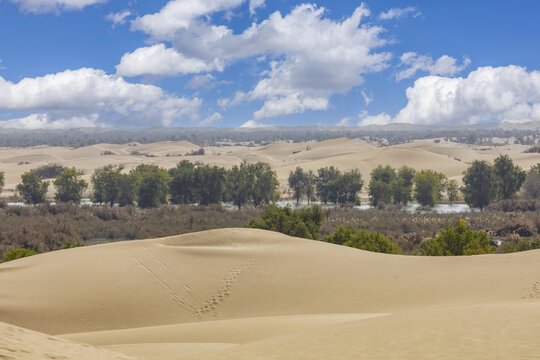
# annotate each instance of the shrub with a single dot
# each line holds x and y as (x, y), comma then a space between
(15, 254)
(305, 223)
(458, 240)
(49, 171)
(520, 244)
(362, 239)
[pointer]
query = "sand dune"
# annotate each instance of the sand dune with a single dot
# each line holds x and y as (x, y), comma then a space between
(246, 294)
(347, 154)
(22, 344)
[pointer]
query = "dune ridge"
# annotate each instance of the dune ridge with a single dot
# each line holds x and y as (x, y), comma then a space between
(447, 157)
(246, 293)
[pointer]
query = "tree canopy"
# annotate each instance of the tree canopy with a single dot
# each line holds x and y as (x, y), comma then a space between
(32, 189)
(458, 240)
(69, 186)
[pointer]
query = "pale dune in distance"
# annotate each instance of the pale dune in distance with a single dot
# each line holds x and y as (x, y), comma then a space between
(446, 157)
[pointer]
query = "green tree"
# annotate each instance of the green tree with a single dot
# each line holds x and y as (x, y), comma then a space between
(362, 239)
(458, 240)
(69, 186)
(347, 187)
(381, 185)
(297, 183)
(452, 190)
(239, 184)
(127, 189)
(508, 177)
(32, 188)
(311, 182)
(182, 186)
(2, 181)
(403, 185)
(479, 186)
(153, 185)
(265, 183)
(531, 186)
(428, 186)
(326, 179)
(210, 182)
(106, 186)
(305, 223)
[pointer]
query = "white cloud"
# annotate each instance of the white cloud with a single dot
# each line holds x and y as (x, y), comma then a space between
(206, 81)
(252, 124)
(1, 66)
(159, 60)
(311, 57)
(78, 94)
(179, 14)
(398, 13)
(118, 18)
(254, 4)
(509, 93)
(445, 65)
(239, 97)
(43, 6)
(210, 120)
(43, 121)
(367, 99)
(346, 121)
(380, 119)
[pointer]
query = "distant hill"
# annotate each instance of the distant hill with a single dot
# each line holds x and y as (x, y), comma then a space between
(392, 134)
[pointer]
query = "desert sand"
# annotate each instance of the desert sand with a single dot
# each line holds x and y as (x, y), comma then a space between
(447, 157)
(253, 294)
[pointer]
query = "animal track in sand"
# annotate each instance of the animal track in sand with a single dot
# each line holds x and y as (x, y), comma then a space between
(169, 280)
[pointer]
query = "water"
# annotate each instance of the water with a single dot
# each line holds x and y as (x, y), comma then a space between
(439, 209)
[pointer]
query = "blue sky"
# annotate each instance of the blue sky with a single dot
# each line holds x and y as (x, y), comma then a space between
(227, 63)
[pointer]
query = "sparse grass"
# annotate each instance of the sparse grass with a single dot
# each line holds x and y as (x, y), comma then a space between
(46, 227)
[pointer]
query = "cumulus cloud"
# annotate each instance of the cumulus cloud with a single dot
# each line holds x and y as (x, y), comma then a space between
(380, 119)
(252, 124)
(43, 6)
(179, 14)
(254, 4)
(445, 65)
(398, 13)
(118, 18)
(311, 57)
(211, 120)
(346, 121)
(44, 121)
(162, 61)
(206, 82)
(71, 96)
(509, 93)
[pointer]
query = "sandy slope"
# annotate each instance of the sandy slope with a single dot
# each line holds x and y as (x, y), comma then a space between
(246, 294)
(449, 158)
(22, 344)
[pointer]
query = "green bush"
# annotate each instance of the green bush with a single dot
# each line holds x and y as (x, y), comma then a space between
(522, 244)
(458, 240)
(362, 239)
(304, 223)
(15, 254)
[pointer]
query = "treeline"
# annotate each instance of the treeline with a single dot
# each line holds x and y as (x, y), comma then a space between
(152, 186)
(477, 134)
(483, 183)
